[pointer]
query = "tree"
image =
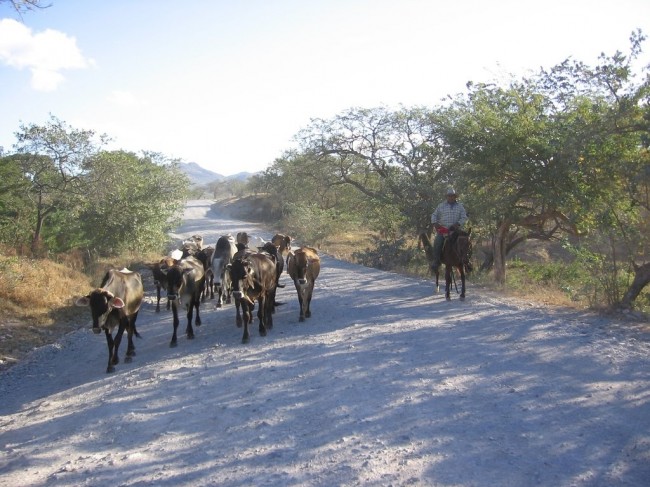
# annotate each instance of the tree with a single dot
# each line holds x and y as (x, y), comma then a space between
(394, 159)
(22, 6)
(54, 158)
(15, 208)
(133, 202)
(544, 156)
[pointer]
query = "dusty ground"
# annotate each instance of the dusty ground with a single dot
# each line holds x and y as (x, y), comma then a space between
(386, 384)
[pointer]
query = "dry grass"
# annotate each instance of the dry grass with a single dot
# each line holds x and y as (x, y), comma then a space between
(37, 300)
(36, 304)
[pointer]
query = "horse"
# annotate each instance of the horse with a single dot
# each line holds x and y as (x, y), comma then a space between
(456, 253)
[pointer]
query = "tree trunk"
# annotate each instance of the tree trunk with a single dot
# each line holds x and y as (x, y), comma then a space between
(641, 279)
(500, 251)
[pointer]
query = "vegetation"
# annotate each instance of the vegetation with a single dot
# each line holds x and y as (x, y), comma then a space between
(62, 191)
(561, 157)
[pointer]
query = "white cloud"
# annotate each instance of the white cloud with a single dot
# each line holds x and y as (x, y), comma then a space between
(45, 53)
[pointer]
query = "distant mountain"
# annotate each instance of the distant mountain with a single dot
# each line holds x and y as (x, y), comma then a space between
(200, 176)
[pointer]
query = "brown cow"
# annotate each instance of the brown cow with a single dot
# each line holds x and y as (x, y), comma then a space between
(283, 243)
(253, 279)
(303, 265)
(116, 303)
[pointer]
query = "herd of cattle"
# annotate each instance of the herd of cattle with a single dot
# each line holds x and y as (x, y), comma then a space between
(244, 269)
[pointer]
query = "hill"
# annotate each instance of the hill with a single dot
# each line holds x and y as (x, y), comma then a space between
(199, 176)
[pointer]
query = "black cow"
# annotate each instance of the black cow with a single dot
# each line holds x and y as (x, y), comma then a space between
(253, 279)
(185, 281)
(116, 303)
(224, 251)
(205, 256)
(160, 279)
(271, 249)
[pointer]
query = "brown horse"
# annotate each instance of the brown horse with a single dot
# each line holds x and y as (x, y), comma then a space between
(456, 253)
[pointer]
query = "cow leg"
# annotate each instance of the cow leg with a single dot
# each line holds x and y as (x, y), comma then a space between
(238, 318)
(260, 315)
(118, 339)
(173, 343)
(308, 308)
(300, 302)
(219, 295)
(247, 319)
(109, 341)
(157, 299)
(130, 351)
(189, 331)
(197, 321)
(269, 305)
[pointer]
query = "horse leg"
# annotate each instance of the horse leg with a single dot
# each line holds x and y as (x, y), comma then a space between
(448, 270)
(462, 282)
(436, 289)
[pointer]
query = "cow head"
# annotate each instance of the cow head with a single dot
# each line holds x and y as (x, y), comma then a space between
(175, 281)
(101, 303)
(300, 265)
(242, 278)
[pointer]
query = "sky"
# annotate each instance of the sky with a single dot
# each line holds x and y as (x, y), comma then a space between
(228, 84)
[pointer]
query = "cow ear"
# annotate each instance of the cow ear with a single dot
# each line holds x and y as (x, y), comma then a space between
(82, 301)
(117, 302)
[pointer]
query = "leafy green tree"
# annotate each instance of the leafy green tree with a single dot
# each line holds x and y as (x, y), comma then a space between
(16, 215)
(54, 158)
(395, 159)
(134, 201)
(545, 156)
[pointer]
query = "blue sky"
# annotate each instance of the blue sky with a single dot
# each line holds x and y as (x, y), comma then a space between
(227, 84)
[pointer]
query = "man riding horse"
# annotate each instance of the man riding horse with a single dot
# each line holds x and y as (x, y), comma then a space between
(448, 217)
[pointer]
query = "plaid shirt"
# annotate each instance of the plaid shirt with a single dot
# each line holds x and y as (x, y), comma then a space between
(447, 214)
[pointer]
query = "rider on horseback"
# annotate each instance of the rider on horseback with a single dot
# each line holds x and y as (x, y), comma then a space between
(449, 216)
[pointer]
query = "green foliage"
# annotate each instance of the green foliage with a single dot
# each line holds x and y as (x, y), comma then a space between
(311, 224)
(135, 202)
(16, 217)
(61, 191)
(391, 255)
